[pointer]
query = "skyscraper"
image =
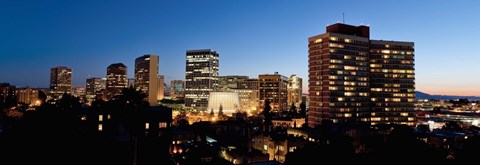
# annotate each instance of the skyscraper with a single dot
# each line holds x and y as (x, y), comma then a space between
(339, 78)
(294, 90)
(177, 89)
(60, 81)
(201, 77)
(116, 79)
(274, 88)
(95, 87)
(146, 77)
(392, 82)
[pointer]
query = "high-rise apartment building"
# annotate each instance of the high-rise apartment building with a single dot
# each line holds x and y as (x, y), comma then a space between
(117, 79)
(274, 88)
(95, 87)
(294, 90)
(340, 84)
(177, 89)
(201, 77)
(392, 82)
(146, 77)
(60, 81)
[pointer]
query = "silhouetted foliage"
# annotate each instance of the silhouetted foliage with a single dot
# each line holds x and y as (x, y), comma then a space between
(303, 110)
(220, 111)
(266, 112)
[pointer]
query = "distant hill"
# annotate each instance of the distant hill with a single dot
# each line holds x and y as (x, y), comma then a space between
(421, 95)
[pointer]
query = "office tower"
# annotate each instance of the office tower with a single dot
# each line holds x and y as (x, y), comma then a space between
(294, 90)
(146, 77)
(339, 78)
(230, 82)
(60, 81)
(95, 88)
(201, 77)
(177, 89)
(274, 88)
(161, 87)
(116, 79)
(392, 82)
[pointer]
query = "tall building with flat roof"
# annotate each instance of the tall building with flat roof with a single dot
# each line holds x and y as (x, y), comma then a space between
(146, 77)
(117, 79)
(392, 82)
(201, 77)
(95, 87)
(343, 65)
(274, 88)
(60, 81)
(294, 90)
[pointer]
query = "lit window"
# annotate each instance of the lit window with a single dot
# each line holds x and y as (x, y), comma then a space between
(100, 117)
(318, 40)
(100, 127)
(162, 125)
(265, 147)
(147, 125)
(340, 99)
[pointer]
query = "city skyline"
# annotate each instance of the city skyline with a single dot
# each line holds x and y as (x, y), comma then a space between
(87, 38)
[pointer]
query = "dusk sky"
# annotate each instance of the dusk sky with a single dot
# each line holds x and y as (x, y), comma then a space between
(252, 37)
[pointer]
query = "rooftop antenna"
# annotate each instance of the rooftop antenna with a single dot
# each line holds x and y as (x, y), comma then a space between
(343, 14)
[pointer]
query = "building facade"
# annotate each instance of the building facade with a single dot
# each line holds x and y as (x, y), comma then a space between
(161, 87)
(28, 96)
(177, 89)
(95, 87)
(230, 82)
(146, 77)
(339, 77)
(201, 77)
(60, 81)
(294, 90)
(117, 79)
(392, 82)
(274, 88)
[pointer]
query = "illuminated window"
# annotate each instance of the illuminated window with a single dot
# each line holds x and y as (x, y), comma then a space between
(333, 38)
(100, 127)
(340, 99)
(348, 115)
(411, 119)
(147, 125)
(349, 94)
(100, 117)
(281, 148)
(404, 114)
(162, 125)
(318, 40)
(375, 119)
(348, 40)
(265, 147)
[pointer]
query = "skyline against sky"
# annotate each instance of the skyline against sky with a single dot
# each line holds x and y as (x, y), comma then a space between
(266, 36)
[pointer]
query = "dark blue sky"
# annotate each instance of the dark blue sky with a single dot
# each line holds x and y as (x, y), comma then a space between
(252, 37)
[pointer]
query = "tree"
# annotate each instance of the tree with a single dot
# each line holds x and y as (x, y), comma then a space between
(220, 111)
(266, 112)
(293, 111)
(212, 113)
(303, 110)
